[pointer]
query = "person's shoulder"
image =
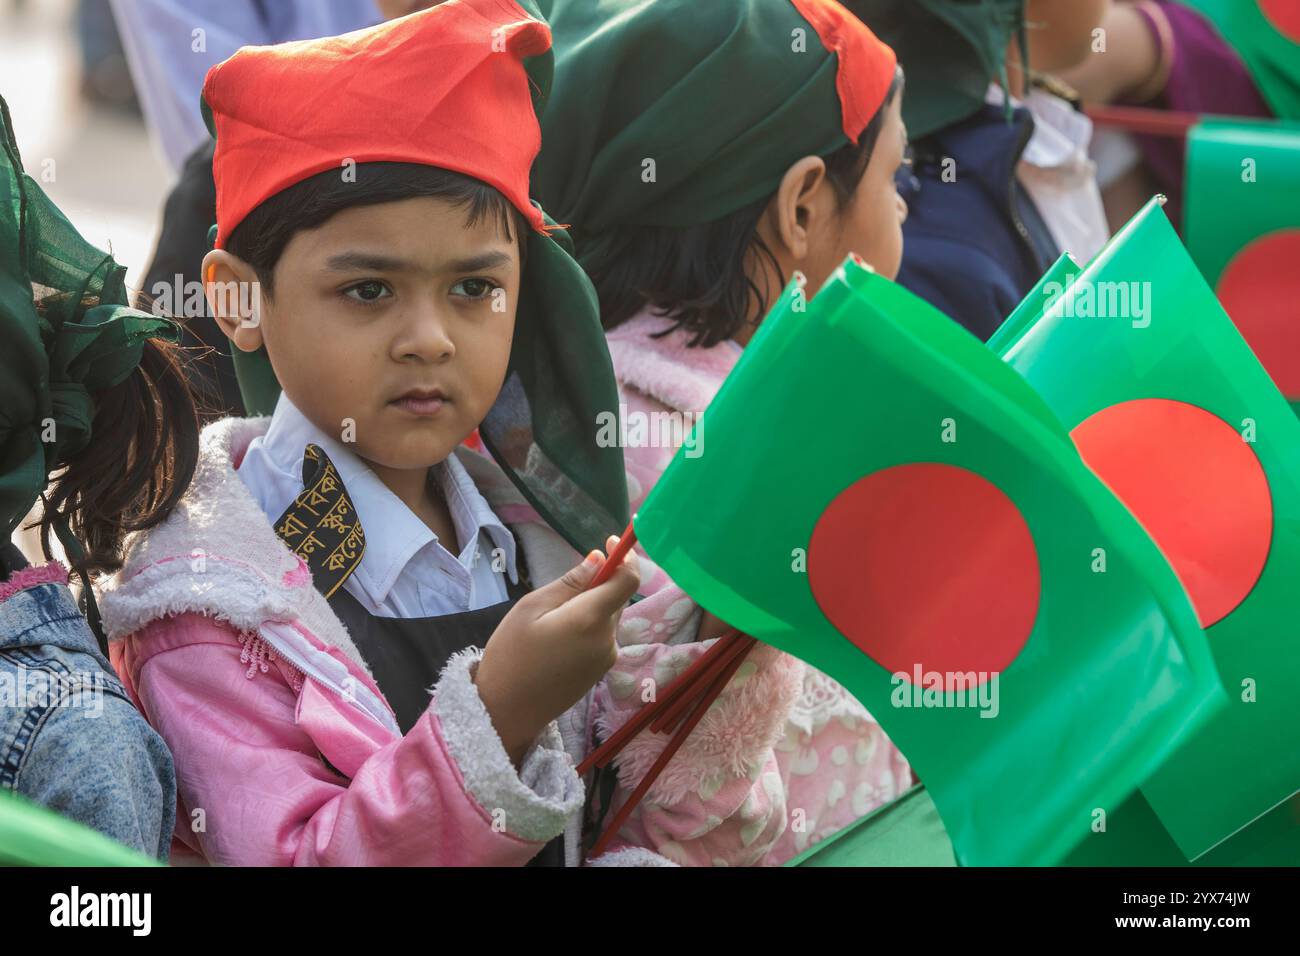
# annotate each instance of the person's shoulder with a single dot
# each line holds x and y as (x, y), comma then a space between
(82, 713)
(95, 759)
(953, 255)
(659, 370)
(975, 154)
(964, 280)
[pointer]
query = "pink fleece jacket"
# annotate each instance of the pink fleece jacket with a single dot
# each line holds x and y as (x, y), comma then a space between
(286, 751)
(786, 756)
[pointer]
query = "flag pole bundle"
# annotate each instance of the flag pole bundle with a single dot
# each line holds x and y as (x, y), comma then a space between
(681, 706)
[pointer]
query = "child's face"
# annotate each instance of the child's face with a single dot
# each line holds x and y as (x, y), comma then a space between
(809, 229)
(397, 318)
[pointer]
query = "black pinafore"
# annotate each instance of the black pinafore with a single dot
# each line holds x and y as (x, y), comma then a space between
(405, 655)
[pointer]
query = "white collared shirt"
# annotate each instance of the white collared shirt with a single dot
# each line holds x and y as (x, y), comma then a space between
(405, 570)
(1058, 174)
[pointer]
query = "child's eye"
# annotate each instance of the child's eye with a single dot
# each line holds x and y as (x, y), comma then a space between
(474, 288)
(367, 292)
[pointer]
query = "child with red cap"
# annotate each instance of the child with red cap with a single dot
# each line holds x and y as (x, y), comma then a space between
(378, 259)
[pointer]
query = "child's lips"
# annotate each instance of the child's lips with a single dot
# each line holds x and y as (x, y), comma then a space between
(421, 402)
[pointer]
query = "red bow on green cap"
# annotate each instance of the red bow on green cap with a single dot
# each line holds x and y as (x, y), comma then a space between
(445, 87)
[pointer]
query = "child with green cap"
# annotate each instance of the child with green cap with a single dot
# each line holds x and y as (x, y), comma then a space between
(96, 420)
(378, 259)
(760, 138)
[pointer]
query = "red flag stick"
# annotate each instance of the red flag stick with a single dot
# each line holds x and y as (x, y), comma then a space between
(746, 644)
(616, 556)
(737, 644)
(697, 682)
(673, 746)
(1136, 119)
(603, 754)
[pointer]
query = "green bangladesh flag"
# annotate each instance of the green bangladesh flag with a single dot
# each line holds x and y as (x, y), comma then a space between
(909, 832)
(31, 835)
(905, 832)
(947, 556)
(1167, 404)
(1266, 35)
(1242, 226)
(1134, 836)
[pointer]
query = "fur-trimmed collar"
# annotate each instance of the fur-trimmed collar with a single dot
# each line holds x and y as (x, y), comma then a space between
(664, 368)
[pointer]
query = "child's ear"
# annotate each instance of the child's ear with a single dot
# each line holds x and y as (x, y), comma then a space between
(796, 209)
(235, 297)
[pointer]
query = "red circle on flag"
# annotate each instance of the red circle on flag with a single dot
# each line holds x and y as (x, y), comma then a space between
(927, 565)
(1284, 15)
(1260, 289)
(1196, 487)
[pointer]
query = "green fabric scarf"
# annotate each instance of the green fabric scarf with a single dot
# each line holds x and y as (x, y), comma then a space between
(718, 96)
(949, 49)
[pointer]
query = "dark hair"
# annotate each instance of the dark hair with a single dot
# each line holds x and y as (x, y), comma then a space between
(697, 275)
(260, 239)
(143, 449)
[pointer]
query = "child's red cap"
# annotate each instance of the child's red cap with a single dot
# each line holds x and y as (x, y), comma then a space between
(866, 65)
(444, 87)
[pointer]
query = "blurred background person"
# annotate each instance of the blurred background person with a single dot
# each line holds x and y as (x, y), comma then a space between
(1163, 55)
(170, 46)
(1001, 181)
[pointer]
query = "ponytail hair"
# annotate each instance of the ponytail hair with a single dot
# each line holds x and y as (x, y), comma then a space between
(138, 463)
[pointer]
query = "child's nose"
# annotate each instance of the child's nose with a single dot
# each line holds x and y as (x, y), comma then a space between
(426, 338)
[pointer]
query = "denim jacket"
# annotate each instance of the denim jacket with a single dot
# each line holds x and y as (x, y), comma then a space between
(974, 243)
(70, 737)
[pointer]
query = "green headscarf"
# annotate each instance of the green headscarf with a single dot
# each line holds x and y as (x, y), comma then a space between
(949, 49)
(717, 94)
(719, 98)
(66, 333)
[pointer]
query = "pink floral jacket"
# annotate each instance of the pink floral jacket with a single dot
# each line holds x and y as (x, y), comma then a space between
(786, 756)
